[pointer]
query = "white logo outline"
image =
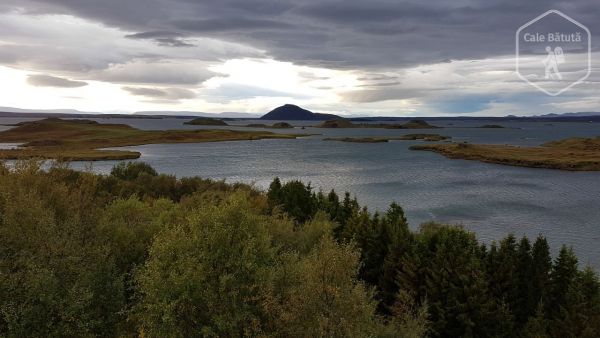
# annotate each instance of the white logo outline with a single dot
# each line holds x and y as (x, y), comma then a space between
(589, 51)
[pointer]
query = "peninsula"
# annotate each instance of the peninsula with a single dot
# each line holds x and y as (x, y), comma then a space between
(344, 123)
(575, 154)
(85, 140)
(278, 125)
(408, 137)
(206, 121)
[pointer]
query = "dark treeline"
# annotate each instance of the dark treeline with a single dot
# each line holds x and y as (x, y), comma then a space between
(510, 289)
(137, 253)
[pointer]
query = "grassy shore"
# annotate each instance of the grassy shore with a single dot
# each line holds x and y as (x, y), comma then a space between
(409, 137)
(278, 125)
(76, 140)
(206, 121)
(343, 123)
(575, 154)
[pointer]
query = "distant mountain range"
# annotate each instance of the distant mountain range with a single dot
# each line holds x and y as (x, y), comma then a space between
(287, 112)
(72, 113)
(228, 115)
(290, 112)
(42, 111)
(579, 114)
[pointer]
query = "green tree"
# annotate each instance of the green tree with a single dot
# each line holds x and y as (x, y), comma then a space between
(205, 276)
(55, 278)
(454, 282)
(131, 170)
(295, 199)
(541, 266)
(537, 325)
(319, 295)
(562, 275)
(580, 314)
(274, 193)
(523, 305)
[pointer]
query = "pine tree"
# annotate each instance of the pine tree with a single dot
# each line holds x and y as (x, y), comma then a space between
(541, 267)
(580, 315)
(524, 306)
(562, 276)
(274, 193)
(536, 326)
(454, 282)
(503, 272)
(397, 236)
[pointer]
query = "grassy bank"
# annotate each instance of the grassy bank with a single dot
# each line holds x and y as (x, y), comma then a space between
(409, 137)
(82, 139)
(576, 154)
(343, 123)
(206, 121)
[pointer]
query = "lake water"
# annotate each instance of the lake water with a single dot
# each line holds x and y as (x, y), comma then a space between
(491, 200)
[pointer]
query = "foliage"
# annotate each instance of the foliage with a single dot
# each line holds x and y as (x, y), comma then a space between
(137, 253)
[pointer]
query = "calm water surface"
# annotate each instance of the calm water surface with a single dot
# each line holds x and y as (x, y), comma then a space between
(491, 200)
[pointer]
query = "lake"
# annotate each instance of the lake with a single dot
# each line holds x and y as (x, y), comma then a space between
(491, 200)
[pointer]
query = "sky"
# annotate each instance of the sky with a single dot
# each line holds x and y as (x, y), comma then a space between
(350, 57)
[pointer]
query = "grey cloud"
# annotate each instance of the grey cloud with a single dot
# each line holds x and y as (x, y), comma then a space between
(307, 76)
(376, 37)
(377, 77)
(345, 12)
(154, 35)
(381, 84)
(159, 72)
(228, 92)
(161, 93)
(162, 38)
(53, 81)
(168, 42)
(378, 95)
(234, 24)
(378, 34)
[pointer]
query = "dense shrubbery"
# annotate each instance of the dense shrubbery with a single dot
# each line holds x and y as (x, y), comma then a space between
(136, 253)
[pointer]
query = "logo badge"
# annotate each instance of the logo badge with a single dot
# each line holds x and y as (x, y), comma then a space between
(553, 52)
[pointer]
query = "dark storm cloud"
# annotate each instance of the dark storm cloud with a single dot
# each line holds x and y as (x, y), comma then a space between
(53, 81)
(154, 35)
(232, 24)
(162, 38)
(377, 34)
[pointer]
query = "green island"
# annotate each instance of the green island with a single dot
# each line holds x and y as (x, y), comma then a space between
(575, 154)
(278, 125)
(492, 126)
(135, 253)
(206, 121)
(83, 140)
(343, 123)
(408, 137)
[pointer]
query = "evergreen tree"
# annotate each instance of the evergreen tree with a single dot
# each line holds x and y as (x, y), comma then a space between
(540, 270)
(563, 274)
(274, 193)
(580, 315)
(537, 325)
(523, 305)
(454, 282)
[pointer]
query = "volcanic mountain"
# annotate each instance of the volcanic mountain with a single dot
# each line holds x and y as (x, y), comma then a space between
(291, 112)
